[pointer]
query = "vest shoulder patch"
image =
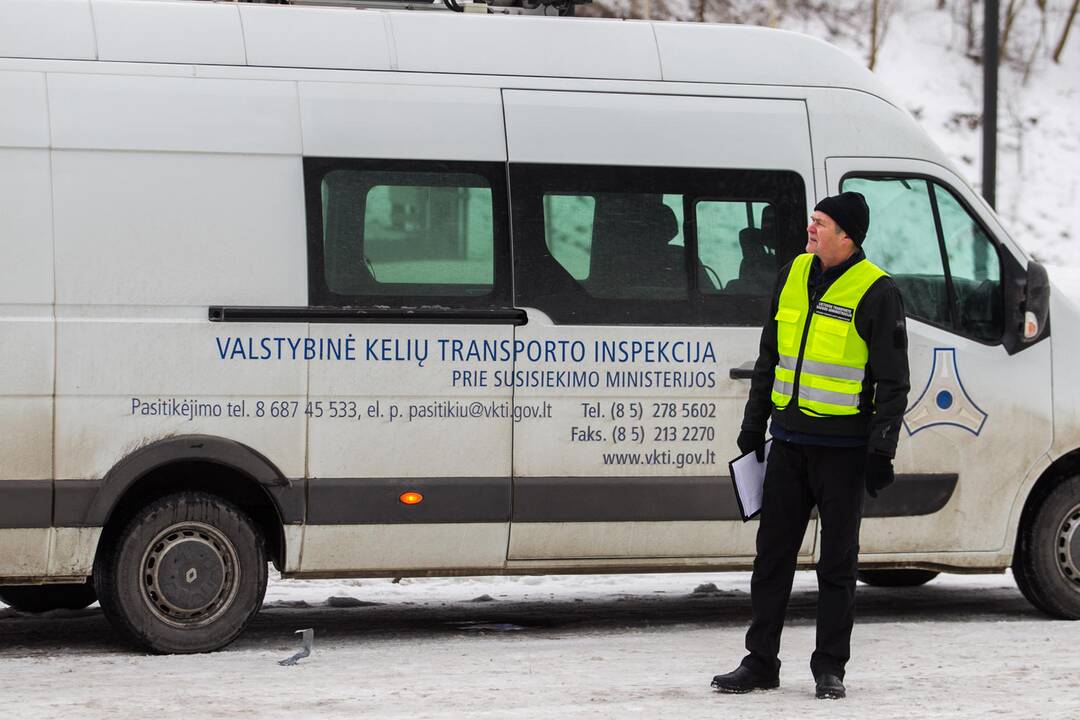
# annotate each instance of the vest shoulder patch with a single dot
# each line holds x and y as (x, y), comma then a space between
(838, 312)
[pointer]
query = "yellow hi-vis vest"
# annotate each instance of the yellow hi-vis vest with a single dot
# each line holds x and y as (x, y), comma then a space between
(832, 354)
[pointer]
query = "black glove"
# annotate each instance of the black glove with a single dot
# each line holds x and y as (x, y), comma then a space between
(879, 473)
(750, 440)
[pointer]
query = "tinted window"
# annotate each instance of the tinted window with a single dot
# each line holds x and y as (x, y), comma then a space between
(975, 268)
(942, 260)
(568, 230)
(619, 245)
(903, 241)
(653, 245)
(405, 233)
(737, 245)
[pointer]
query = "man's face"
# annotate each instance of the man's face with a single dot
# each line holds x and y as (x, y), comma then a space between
(826, 240)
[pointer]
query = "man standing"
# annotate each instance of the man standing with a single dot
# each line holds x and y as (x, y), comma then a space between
(833, 373)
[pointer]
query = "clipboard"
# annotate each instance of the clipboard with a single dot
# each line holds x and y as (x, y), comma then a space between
(748, 480)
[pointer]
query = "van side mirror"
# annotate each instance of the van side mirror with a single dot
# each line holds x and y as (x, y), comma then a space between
(1028, 307)
(1037, 303)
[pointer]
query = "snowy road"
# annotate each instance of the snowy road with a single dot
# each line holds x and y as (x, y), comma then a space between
(556, 647)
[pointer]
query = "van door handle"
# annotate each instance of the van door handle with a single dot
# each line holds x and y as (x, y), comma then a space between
(743, 372)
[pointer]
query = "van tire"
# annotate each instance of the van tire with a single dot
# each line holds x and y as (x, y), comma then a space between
(896, 578)
(1046, 565)
(185, 575)
(43, 598)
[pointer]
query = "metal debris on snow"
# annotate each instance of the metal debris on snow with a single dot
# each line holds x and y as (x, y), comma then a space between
(308, 638)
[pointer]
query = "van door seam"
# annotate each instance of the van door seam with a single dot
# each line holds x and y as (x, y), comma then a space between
(93, 26)
(659, 57)
(391, 41)
(243, 37)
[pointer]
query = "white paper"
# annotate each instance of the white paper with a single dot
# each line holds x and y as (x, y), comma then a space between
(748, 476)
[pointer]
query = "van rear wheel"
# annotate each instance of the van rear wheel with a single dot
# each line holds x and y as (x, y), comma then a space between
(185, 575)
(43, 598)
(896, 578)
(1046, 564)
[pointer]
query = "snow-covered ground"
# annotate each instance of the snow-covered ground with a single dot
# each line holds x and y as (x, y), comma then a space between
(591, 646)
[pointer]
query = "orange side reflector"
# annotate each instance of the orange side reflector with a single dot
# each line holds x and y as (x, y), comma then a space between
(411, 498)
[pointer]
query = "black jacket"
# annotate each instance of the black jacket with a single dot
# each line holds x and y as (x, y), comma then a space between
(879, 320)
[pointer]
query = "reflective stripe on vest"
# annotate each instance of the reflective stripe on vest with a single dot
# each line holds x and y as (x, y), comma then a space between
(833, 362)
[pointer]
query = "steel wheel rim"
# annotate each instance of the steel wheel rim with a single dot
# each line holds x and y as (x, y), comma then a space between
(189, 548)
(1067, 547)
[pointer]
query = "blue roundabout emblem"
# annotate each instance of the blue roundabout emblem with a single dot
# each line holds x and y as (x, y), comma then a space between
(944, 401)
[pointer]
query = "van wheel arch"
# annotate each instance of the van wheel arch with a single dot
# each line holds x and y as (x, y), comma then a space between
(199, 463)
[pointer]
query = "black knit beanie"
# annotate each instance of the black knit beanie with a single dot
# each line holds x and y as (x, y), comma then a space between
(850, 212)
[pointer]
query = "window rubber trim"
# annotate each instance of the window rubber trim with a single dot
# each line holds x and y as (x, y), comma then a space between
(334, 314)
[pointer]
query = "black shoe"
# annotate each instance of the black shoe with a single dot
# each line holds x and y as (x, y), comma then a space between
(743, 680)
(829, 687)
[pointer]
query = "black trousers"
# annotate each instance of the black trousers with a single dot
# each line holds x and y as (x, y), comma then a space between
(797, 478)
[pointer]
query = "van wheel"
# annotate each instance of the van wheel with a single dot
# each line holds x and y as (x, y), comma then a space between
(1046, 565)
(896, 578)
(185, 575)
(43, 598)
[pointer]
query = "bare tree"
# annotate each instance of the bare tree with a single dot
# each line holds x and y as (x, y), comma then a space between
(1011, 11)
(970, 26)
(1037, 47)
(880, 11)
(1065, 31)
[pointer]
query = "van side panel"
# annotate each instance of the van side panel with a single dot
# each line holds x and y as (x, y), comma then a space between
(26, 322)
(26, 327)
(145, 243)
(397, 420)
(666, 130)
(172, 195)
(372, 120)
(961, 418)
(104, 112)
(576, 494)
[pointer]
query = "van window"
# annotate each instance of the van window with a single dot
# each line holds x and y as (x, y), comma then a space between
(975, 268)
(632, 248)
(902, 240)
(568, 229)
(944, 263)
(604, 245)
(393, 234)
(737, 244)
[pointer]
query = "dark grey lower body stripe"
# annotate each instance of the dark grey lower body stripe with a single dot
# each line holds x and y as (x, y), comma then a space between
(660, 499)
(73, 501)
(26, 503)
(360, 501)
(624, 499)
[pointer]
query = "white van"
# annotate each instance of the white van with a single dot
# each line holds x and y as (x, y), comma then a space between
(367, 293)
